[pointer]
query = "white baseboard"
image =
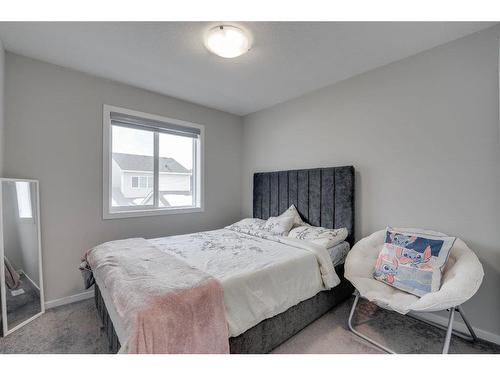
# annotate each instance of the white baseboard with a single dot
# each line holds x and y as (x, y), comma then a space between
(458, 325)
(70, 299)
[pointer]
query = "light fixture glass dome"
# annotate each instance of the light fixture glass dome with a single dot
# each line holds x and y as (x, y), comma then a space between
(227, 41)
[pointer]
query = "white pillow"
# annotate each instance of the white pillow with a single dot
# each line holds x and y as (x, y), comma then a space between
(248, 224)
(292, 211)
(279, 225)
(318, 235)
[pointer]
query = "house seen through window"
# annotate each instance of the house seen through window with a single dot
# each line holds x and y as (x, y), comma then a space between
(154, 165)
(141, 182)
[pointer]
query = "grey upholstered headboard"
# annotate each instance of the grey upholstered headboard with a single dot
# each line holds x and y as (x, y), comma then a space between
(323, 196)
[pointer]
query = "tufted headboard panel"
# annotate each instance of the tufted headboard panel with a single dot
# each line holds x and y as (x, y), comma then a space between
(323, 196)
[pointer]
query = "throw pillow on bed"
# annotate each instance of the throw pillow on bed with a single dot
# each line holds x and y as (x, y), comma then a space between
(318, 235)
(292, 211)
(413, 261)
(248, 224)
(279, 225)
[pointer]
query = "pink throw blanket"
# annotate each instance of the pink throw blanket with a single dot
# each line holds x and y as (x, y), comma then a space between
(166, 305)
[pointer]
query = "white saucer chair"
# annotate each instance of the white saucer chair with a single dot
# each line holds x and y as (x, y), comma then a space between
(461, 279)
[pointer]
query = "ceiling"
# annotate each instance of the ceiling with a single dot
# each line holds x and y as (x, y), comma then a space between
(288, 59)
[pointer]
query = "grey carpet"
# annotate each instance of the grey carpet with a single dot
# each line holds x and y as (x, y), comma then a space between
(403, 334)
(75, 328)
(22, 306)
(72, 328)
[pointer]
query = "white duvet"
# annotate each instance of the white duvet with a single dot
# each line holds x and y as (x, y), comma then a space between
(261, 275)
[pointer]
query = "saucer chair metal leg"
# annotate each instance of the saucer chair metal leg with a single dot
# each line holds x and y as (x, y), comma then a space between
(449, 330)
(473, 336)
(469, 337)
(349, 322)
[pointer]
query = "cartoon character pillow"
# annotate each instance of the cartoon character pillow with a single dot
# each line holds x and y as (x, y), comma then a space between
(413, 261)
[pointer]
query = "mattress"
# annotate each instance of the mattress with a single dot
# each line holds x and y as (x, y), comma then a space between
(338, 253)
(253, 280)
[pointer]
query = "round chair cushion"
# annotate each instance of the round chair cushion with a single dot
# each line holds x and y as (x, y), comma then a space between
(462, 277)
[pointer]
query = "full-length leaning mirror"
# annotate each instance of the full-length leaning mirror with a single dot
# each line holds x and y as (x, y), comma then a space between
(20, 254)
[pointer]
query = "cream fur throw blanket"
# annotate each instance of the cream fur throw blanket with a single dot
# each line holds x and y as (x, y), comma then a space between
(166, 305)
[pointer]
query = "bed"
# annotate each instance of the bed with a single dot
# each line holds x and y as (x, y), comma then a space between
(324, 197)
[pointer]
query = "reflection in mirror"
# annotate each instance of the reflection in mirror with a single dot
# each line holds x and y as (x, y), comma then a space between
(21, 254)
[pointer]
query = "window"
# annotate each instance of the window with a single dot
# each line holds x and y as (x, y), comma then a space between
(24, 200)
(151, 165)
(142, 182)
(135, 182)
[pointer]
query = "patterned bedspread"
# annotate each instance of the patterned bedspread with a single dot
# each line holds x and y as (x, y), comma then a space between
(261, 275)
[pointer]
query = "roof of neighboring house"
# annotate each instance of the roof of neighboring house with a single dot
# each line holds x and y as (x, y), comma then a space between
(132, 162)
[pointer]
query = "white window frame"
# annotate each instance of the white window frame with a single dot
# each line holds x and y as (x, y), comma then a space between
(109, 212)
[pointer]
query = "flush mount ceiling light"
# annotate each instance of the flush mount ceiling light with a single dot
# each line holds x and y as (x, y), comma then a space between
(227, 41)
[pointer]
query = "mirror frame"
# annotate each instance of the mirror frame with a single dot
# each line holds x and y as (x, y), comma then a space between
(5, 326)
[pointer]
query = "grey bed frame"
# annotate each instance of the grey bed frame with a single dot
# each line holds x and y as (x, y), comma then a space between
(324, 197)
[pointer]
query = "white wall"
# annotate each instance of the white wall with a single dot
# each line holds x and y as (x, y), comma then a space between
(2, 115)
(54, 132)
(422, 134)
(175, 182)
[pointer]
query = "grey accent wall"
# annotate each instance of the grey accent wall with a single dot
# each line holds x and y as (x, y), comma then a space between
(54, 133)
(422, 134)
